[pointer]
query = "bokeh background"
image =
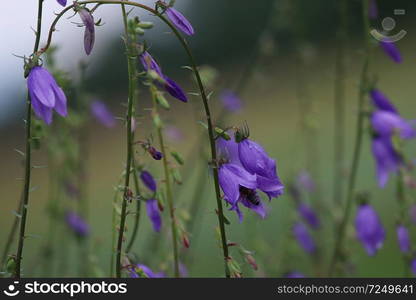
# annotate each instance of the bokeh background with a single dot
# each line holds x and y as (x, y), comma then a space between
(279, 55)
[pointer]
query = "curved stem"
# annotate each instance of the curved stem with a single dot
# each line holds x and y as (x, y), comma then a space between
(206, 107)
(337, 254)
(131, 61)
(28, 156)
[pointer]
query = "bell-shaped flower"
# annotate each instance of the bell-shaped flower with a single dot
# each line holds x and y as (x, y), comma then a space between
(403, 238)
(179, 21)
(45, 94)
(77, 224)
(386, 123)
(148, 180)
(381, 102)
(369, 229)
(103, 115)
(386, 158)
(89, 33)
(62, 2)
(391, 50)
(309, 215)
(154, 214)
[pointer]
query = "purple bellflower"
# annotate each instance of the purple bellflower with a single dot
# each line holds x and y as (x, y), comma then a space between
(391, 50)
(240, 183)
(403, 238)
(154, 214)
(148, 180)
(169, 85)
(387, 159)
(386, 123)
(45, 94)
(89, 34)
(179, 21)
(136, 270)
(77, 224)
(103, 115)
(230, 101)
(62, 2)
(302, 235)
(369, 229)
(381, 101)
(308, 215)
(157, 155)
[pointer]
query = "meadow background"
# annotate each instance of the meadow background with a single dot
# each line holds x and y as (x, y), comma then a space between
(282, 53)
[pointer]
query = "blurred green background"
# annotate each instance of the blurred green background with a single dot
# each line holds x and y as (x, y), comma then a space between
(283, 53)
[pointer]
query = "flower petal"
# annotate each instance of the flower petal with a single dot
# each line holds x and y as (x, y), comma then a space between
(179, 21)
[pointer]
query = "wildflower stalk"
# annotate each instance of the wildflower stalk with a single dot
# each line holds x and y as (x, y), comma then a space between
(339, 106)
(338, 250)
(114, 225)
(28, 157)
(138, 208)
(401, 198)
(194, 67)
(131, 65)
(169, 196)
(11, 236)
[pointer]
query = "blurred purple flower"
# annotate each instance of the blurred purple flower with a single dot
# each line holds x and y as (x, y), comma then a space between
(309, 216)
(157, 155)
(77, 224)
(372, 9)
(381, 101)
(179, 21)
(255, 160)
(403, 238)
(302, 235)
(45, 94)
(369, 229)
(153, 214)
(149, 63)
(386, 158)
(148, 180)
(305, 181)
(174, 133)
(89, 34)
(62, 2)
(135, 272)
(391, 50)
(230, 101)
(183, 271)
(413, 266)
(103, 115)
(294, 274)
(386, 123)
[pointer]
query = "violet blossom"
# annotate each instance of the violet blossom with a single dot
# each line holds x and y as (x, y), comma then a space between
(391, 50)
(403, 238)
(154, 214)
(77, 224)
(230, 101)
(179, 21)
(309, 215)
(89, 34)
(381, 101)
(148, 180)
(137, 270)
(369, 229)
(304, 238)
(387, 159)
(62, 2)
(103, 115)
(45, 94)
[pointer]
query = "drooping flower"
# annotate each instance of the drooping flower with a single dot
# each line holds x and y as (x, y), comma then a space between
(302, 235)
(381, 101)
(77, 224)
(255, 160)
(179, 21)
(157, 155)
(62, 2)
(386, 123)
(403, 238)
(372, 9)
(137, 270)
(369, 229)
(310, 217)
(45, 94)
(103, 115)
(148, 180)
(153, 214)
(149, 63)
(386, 158)
(305, 181)
(230, 101)
(294, 274)
(89, 33)
(391, 50)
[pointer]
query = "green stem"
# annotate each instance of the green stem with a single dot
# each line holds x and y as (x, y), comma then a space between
(138, 209)
(204, 100)
(114, 226)
(131, 62)
(338, 250)
(28, 156)
(401, 198)
(11, 235)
